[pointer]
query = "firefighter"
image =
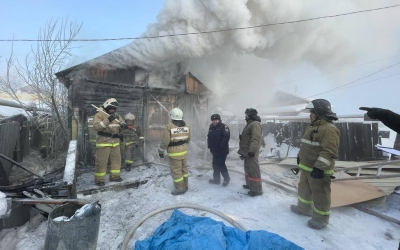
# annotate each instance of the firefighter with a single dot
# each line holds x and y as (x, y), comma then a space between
(249, 148)
(387, 117)
(175, 140)
(218, 142)
(108, 128)
(133, 138)
(318, 151)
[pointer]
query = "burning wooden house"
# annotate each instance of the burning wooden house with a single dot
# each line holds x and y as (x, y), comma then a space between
(148, 95)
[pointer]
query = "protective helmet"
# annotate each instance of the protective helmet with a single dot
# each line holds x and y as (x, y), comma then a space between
(215, 117)
(176, 114)
(110, 103)
(251, 112)
(130, 116)
(322, 108)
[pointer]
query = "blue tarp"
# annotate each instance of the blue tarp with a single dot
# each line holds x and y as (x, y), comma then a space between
(184, 232)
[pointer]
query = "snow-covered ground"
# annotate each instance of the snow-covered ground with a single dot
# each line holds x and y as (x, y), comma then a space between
(348, 229)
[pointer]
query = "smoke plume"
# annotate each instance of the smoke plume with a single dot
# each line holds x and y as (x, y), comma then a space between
(252, 59)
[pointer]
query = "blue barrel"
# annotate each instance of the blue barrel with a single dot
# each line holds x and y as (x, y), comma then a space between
(78, 234)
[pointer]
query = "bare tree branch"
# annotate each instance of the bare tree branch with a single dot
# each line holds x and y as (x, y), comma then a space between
(39, 68)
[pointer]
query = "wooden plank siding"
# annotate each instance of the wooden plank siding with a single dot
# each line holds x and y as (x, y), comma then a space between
(9, 134)
(357, 140)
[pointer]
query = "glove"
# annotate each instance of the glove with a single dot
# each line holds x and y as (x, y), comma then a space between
(251, 154)
(123, 125)
(375, 113)
(298, 160)
(121, 137)
(161, 155)
(241, 157)
(111, 117)
(317, 173)
(240, 137)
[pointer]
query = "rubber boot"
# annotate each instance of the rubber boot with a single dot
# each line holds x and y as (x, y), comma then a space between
(213, 181)
(226, 182)
(296, 209)
(128, 167)
(119, 179)
(254, 193)
(246, 186)
(316, 224)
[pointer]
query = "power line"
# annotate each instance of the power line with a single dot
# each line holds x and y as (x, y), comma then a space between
(324, 73)
(201, 32)
(376, 72)
(369, 81)
(329, 72)
(333, 89)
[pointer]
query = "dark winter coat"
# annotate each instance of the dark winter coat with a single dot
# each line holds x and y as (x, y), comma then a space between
(250, 139)
(218, 139)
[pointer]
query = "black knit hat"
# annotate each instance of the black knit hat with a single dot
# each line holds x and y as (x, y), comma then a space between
(215, 117)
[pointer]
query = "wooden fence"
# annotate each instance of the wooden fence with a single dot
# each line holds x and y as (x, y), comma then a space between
(14, 144)
(357, 140)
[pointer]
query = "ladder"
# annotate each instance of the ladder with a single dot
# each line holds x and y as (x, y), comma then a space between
(378, 165)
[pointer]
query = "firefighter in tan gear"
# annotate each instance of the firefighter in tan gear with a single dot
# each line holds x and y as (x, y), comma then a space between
(175, 140)
(133, 138)
(249, 149)
(316, 160)
(108, 142)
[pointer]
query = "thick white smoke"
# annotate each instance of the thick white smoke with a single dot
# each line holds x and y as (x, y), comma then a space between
(234, 61)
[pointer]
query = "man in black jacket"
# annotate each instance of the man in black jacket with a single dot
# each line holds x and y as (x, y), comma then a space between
(387, 117)
(218, 143)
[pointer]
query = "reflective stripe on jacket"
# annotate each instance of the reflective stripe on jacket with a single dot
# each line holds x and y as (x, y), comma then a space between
(173, 133)
(319, 147)
(101, 123)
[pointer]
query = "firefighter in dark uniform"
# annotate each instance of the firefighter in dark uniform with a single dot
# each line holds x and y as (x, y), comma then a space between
(218, 143)
(108, 141)
(133, 138)
(175, 140)
(249, 149)
(318, 151)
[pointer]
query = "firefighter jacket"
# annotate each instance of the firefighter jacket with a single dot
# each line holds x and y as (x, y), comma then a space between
(218, 139)
(108, 132)
(319, 147)
(175, 140)
(250, 139)
(132, 136)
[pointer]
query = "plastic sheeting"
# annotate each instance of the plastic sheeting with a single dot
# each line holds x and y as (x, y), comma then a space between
(183, 232)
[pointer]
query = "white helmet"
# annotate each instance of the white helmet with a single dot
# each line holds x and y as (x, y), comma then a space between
(176, 114)
(111, 103)
(130, 116)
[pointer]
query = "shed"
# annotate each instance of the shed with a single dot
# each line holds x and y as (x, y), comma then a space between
(148, 95)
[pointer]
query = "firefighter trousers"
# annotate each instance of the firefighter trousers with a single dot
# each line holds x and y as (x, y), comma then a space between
(129, 153)
(314, 196)
(179, 173)
(102, 156)
(253, 174)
